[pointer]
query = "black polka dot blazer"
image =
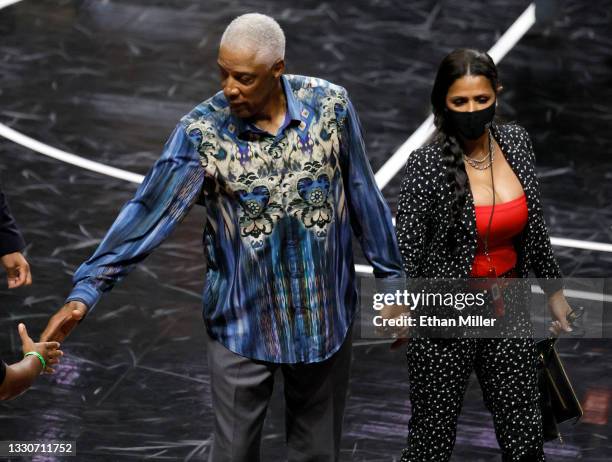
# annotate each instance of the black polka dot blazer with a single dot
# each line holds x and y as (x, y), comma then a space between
(424, 208)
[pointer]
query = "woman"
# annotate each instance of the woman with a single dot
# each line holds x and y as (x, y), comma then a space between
(475, 172)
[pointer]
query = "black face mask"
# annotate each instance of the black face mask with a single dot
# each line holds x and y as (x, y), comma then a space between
(471, 125)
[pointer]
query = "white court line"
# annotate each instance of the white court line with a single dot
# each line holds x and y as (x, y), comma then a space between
(584, 295)
(5, 3)
(364, 269)
(498, 51)
(579, 294)
(397, 161)
(572, 243)
(64, 156)
(73, 159)
(569, 293)
(505, 43)
(60, 155)
(577, 244)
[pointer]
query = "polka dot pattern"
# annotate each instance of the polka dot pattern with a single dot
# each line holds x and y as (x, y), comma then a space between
(439, 368)
(439, 371)
(424, 206)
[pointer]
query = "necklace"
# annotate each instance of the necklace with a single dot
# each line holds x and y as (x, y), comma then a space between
(480, 161)
(485, 162)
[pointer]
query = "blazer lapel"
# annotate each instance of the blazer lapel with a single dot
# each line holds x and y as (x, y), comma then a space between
(512, 152)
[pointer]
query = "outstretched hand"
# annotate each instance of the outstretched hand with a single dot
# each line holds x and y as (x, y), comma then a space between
(64, 321)
(48, 350)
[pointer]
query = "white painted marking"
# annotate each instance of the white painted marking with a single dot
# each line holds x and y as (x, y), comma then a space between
(578, 244)
(364, 269)
(514, 33)
(5, 3)
(505, 43)
(397, 161)
(578, 294)
(64, 156)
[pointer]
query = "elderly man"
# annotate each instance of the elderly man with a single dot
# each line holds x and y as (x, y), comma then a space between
(279, 162)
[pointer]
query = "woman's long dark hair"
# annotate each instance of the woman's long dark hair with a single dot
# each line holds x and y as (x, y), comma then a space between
(459, 63)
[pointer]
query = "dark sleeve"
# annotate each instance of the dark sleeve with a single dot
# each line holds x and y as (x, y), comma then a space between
(416, 200)
(161, 202)
(10, 237)
(542, 257)
(2, 371)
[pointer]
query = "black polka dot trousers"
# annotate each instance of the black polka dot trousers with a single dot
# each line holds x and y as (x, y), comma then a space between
(439, 371)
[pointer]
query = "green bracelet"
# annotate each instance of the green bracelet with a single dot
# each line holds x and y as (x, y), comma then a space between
(42, 360)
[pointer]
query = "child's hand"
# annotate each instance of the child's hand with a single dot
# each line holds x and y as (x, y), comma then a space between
(48, 350)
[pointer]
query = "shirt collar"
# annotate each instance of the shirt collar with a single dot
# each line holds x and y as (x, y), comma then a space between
(295, 112)
(295, 109)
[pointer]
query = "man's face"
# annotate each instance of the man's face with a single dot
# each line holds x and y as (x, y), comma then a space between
(247, 84)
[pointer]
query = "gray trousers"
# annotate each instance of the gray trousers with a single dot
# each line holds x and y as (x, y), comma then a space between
(315, 397)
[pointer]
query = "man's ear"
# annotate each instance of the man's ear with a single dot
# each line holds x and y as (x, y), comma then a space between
(278, 68)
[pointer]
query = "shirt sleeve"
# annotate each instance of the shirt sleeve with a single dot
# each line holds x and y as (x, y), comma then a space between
(369, 213)
(10, 237)
(163, 199)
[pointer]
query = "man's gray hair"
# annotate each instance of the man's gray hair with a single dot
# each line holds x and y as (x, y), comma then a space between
(256, 32)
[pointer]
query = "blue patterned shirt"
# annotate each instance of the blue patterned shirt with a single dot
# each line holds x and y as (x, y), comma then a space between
(280, 282)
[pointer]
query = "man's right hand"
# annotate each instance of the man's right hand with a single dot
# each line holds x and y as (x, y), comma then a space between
(62, 322)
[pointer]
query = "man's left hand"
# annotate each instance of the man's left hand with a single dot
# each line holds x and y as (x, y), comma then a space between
(400, 334)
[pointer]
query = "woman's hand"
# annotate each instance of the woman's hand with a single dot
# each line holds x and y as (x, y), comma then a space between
(559, 309)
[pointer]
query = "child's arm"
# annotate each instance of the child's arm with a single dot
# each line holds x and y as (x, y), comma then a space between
(20, 376)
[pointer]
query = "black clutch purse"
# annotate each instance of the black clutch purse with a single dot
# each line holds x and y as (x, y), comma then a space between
(558, 401)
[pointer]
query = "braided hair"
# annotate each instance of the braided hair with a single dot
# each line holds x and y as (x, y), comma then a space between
(457, 64)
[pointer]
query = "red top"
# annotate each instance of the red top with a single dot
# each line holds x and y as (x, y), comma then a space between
(509, 219)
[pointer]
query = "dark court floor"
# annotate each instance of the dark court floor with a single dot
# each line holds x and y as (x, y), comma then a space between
(107, 80)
